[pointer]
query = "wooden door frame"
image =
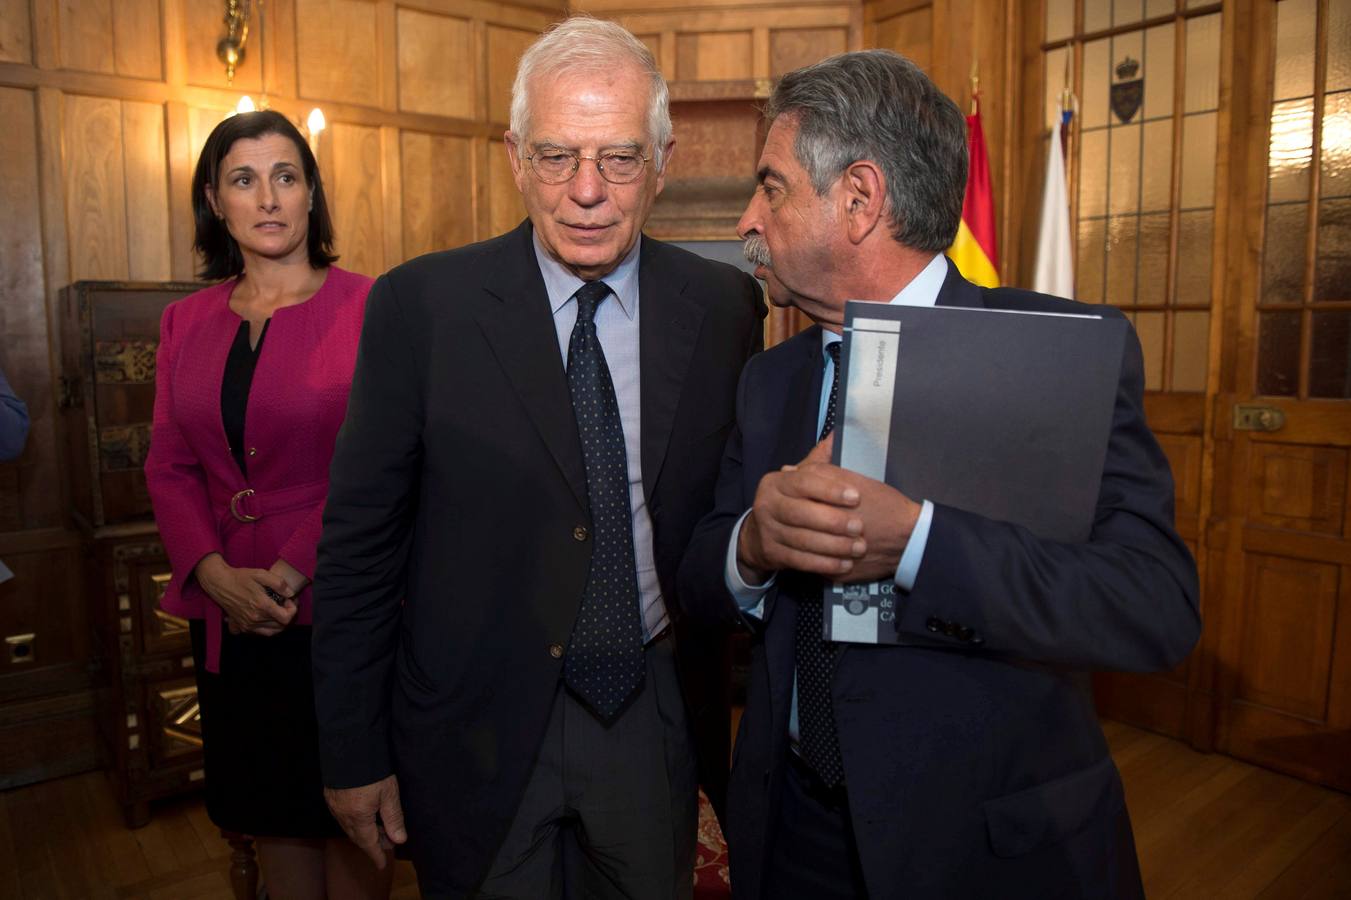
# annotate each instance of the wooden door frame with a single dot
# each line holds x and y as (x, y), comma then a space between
(1243, 111)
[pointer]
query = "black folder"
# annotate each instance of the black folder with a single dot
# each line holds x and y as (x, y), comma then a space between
(1002, 413)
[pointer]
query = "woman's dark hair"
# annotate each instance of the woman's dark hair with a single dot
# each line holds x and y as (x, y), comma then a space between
(219, 251)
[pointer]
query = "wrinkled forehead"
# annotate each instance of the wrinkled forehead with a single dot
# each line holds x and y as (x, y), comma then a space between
(590, 101)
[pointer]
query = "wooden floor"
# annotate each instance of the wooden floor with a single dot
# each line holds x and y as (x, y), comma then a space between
(1206, 827)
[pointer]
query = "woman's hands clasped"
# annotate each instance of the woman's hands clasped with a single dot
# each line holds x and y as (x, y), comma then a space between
(241, 595)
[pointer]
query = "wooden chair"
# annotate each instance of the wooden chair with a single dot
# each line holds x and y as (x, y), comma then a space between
(243, 865)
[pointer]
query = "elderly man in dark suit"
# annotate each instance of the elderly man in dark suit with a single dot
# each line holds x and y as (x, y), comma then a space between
(534, 430)
(966, 761)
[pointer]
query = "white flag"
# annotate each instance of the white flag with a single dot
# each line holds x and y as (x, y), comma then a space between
(1054, 273)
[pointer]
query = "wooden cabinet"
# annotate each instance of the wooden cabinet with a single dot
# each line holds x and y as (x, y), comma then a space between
(146, 696)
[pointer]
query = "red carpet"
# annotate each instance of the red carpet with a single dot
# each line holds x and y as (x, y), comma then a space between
(710, 860)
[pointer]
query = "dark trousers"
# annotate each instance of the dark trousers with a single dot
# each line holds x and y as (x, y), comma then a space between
(814, 854)
(610, 810)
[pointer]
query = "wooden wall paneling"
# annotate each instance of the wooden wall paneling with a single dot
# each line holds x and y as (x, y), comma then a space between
(202, 28)
(760, 52)
(336, 57)
(175, 43)
(711, 175)
(181, 162)
(667, 59)
(86, 35)
(95, 178)
(29, 485)
(278, 47)
(16, 36)
(505, 46)
(909, 34)
(391, 190)
(387, 37)
(792, 48)
(479, 42)
(201, 121)
(44, 598)
(56, 272)
(438, 71)
(46, 34)
(147, 191)
(506, 208)
(138, 51)
(438, 188)
(652, 41)
(355, 193)
(713, 56)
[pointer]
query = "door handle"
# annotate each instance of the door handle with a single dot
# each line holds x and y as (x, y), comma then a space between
(1256, 417)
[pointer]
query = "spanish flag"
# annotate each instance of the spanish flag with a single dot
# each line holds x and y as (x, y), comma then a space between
(975, 250)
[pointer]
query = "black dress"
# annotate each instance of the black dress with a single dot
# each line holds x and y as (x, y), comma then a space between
(259, 733)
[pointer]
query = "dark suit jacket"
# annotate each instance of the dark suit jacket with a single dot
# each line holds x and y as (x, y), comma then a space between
(452, 565)
(975, 768)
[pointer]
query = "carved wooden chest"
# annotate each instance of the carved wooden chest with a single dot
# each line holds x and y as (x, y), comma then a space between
(147, 696)
(110, 331)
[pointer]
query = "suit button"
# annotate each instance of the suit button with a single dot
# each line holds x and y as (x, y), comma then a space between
(934, 624)
(579, 533)
(253, 451)
(556, 651)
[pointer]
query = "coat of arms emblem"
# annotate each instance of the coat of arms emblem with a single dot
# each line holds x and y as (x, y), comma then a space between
(1129, 91)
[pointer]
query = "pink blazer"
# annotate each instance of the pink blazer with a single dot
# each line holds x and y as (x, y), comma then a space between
(296, 405)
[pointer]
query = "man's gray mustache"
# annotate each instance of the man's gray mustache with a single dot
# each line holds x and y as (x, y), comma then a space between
(757, 251)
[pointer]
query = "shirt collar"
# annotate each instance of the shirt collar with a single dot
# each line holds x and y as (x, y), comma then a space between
(562, 284)
(922, 290)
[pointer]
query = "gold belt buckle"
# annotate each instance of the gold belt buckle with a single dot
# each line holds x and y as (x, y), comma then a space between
(234, 506)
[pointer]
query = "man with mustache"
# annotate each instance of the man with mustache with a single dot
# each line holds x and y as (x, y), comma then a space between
(966, 761)
(535, 428)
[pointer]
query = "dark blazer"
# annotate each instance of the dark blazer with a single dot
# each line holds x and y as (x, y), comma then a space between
(455, 549)
(974, 761)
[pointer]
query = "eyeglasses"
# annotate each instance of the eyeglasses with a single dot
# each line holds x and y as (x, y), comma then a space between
(555, 166)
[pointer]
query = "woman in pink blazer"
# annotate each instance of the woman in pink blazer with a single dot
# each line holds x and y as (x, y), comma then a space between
(251, 388)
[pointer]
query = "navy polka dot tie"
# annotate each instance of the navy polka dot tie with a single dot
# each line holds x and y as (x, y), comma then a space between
(818, 743)
(605, 662)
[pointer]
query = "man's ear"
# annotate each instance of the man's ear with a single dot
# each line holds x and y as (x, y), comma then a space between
(514, 157)
(865, 198)
(665, 164)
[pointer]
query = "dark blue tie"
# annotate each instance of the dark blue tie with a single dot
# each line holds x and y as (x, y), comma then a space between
(605, 664)
(818, 743)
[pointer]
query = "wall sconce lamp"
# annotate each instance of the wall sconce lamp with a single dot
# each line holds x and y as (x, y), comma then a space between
(315, 125)
(230, 49)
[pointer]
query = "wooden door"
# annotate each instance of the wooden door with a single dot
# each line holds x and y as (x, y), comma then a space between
(1281, 536)
(1147, 187)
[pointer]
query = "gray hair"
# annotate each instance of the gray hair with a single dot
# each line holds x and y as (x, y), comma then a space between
(879, 106)
(584, 43)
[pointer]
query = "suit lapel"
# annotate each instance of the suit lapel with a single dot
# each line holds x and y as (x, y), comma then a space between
(668, 330)
(520, 330)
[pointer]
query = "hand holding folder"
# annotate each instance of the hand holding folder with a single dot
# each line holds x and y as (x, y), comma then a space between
(1004, 414)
